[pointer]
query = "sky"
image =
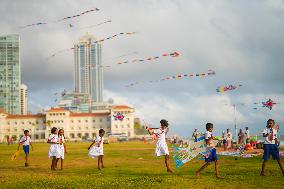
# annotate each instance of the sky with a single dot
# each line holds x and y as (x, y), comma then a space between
(242, 41)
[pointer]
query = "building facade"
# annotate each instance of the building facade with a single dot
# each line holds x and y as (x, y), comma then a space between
(77, 126)
(10, 73)
(88, 72)
(75, 102)
(23, 99)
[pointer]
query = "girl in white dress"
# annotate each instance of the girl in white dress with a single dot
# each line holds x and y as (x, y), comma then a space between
(61, 147)
(98, 149)
(161, 145)
(53, 150)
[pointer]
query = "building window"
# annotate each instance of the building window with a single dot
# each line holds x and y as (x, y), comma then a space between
(72, 121)
(16, 123)
(72, 135)
(23, 123)
(101, 120)
(86, 121)
(94, 120)
(36, 137)
(128, 125)
(87, 128)
(79, 128)
(79, 121)
(122, 126)
(42, 136)
(36, 122)
(129, 134)
(15, 130)
(79, 135)
(116, 126)
(94, 134)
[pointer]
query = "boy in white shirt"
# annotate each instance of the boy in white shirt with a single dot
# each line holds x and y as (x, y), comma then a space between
(26, 142)
(213, 154)
(269, 146)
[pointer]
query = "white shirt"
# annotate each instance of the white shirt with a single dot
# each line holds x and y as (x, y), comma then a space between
(25, 140)
(270, 131)
(208, 135)
(229, 136)
(53, 138)
(161, 135)
(247, 134)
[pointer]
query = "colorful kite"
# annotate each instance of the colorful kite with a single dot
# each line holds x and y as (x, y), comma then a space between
(98, 41)
(108, 21)
(268, 104)
(35, 24)
(223, 89)
(173, 54)
(63, 19)
(81, 14)
(183, 155)
(210, 72)
(119, 116)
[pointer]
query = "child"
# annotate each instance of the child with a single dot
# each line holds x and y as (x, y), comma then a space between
(269, 146)
(98, 149)
(161, 145)
(241, 137)
(53, 150)
(213, 155)
(61, 148)
(26, 142)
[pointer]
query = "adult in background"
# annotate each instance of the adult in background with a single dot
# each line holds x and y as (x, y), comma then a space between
(229, 137)
(241, 137)
(195, 135)
(247, 135)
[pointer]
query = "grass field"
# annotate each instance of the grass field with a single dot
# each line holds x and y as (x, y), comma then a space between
(128, 165)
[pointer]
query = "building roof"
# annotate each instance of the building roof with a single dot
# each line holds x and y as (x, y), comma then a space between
(57, 110)
(88, 114)
(2, 111)
(25, 116)
(121, 107)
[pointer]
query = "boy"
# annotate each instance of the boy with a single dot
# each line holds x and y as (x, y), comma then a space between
(213, 155)
(269, 146)
(247, 135)
(26, 142)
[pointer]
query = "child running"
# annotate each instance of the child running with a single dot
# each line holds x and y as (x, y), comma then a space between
(61, 148)
(161, 145)
(26, 142)
(213, 155)
(269, 146)
(53, 150)
(98, 149)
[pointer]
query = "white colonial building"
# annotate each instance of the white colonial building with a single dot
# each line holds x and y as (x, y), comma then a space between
(77, 126)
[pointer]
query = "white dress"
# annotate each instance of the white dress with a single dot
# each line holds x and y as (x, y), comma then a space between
(161, 145)
(60, 147)
(98, 148)
(53, 150)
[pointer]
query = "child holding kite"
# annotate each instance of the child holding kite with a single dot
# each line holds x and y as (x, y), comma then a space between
(213, 154)
(26, 142)
(98, 149)
(53, 150)
(61, 148)
(161, 145)
(269, 146)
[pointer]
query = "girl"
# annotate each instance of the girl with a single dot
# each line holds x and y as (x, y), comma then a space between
(228, 140)
(98, 150)
(61, 148)
(161, 145)
(53, 150)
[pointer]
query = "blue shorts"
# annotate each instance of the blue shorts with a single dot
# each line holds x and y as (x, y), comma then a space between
(224, 141)
(26, 149)
(212, 157)
(270, 149)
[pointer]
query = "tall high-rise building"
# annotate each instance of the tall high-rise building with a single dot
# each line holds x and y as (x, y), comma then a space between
(10, 73)
(88, 74)
(24, 99)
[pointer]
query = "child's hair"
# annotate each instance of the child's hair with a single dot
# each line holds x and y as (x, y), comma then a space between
(26, 131)
(53, 130)
(208, 126)
(59, 132)
(164, 123)
(246, 127)
(269, 121)
(101, 131)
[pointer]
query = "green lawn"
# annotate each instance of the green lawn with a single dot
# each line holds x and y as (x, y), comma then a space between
(128, 165)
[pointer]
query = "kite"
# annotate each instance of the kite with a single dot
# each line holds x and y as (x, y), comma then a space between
(173, 54)
(98, 41)
(223, 89)
(35, 24)
(63, 19)
(210, 72)
(81, 14)
(183, 155)
(268, 104)
(15, 155)
(118, 116)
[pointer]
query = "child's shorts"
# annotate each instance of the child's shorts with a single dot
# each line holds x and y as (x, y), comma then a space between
(212, 157)
(26, 149)
(270, 149)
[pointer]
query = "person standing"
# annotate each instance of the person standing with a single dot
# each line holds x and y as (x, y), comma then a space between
(247, 135)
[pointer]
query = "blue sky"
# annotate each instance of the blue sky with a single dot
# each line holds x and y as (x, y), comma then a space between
(242, 41)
